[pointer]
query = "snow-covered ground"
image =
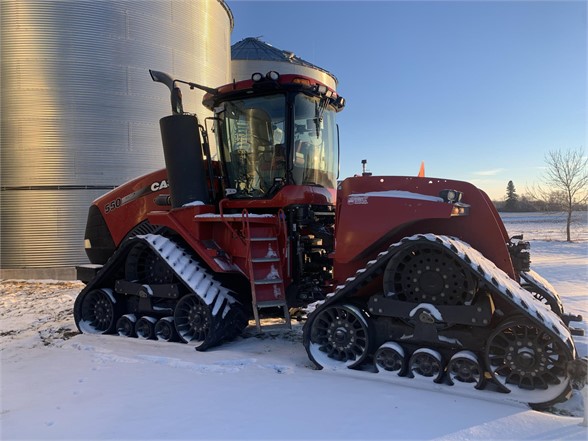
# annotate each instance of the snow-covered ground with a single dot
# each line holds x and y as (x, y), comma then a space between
(58, 384)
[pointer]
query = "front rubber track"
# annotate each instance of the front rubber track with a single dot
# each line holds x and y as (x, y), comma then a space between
(227, 317)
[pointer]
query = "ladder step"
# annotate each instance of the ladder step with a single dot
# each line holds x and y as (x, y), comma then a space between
(263, 239)
(265, 259)
(268, 281)
(271, 304)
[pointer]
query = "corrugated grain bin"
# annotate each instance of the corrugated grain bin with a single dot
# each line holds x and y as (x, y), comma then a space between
(252, 55)
(80, 113)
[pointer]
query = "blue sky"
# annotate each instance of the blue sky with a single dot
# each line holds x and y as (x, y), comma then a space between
(480, 91)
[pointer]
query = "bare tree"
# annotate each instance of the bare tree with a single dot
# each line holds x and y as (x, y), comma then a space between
(567, 176)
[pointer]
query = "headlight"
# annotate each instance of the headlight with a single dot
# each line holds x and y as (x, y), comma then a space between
(272, 75)
(460, 209)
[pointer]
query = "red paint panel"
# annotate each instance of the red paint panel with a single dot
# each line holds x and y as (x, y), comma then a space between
(127, 205)
(365, 229)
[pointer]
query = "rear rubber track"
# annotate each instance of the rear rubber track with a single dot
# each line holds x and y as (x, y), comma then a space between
(499, 284)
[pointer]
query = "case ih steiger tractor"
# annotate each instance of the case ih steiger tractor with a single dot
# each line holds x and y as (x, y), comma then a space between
(406, 276)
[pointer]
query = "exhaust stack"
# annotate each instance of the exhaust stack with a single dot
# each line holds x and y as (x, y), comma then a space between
(182, 149)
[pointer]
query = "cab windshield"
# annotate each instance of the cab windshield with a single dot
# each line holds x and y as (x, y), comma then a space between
(315, 143)
(260, 154)
(253, 144)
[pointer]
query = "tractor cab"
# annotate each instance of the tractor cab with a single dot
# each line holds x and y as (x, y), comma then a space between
(272, 131)
(275, 131)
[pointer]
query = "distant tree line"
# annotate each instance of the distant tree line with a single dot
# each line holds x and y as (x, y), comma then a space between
(564, 187)
(526, 203)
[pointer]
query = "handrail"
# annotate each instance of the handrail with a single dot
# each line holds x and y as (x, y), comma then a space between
(245, 228)
(282, 226)
(283, 229)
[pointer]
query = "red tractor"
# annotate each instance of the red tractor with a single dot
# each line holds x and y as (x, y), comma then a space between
(408, 276)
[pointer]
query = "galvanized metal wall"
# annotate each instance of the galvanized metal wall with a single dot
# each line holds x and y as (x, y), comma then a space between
(79, 110)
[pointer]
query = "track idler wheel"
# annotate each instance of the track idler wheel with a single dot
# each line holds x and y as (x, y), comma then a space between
(145, 266)
(96, 312)
(390, 357)
(339, 337)
(427, 273)
(192, 320)
(165, 329)
(427, 363)
(125, 326)
(145, 328)
(464, 367)
(522, 355)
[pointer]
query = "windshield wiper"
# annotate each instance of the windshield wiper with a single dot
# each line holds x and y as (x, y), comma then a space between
(319, 109)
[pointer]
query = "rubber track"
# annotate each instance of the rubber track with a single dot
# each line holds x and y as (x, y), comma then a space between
(545, 288)
(227, 314)
(494, 279)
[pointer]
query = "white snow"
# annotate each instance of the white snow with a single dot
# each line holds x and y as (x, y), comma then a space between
(540, 281)
(393, 194)
(270, 252)
(431, 309)
(225, 266)
(273, 274)
(466, 354)
(194, 204)
(195, 276)
(58, 384)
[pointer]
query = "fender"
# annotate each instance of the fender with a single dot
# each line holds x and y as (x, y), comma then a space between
(375, 211)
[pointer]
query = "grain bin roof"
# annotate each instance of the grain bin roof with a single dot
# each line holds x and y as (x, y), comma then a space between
(253, 48)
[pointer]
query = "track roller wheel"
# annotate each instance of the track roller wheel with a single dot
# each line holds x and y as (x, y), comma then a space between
(165, 329)
(390, 357)
(522, 355)
(125, 326)
(339, 337)
(96, 312)
(426, 362)
(464, 367)
(145, 328)
(192, 319)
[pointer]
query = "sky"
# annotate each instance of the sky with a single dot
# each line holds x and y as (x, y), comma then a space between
(480, 91)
